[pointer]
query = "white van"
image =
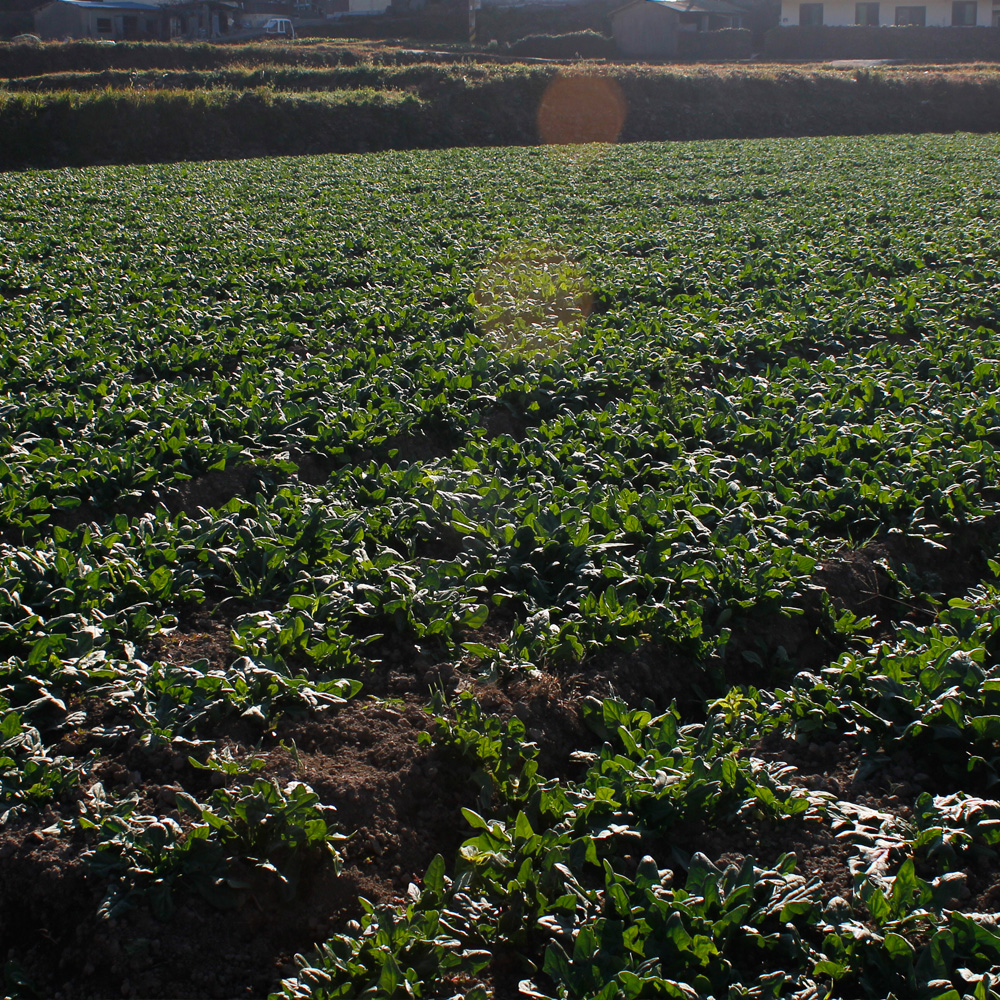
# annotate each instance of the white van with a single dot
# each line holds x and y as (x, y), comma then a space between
(279, 27)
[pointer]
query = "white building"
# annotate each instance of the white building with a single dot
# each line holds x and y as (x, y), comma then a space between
(930, 13)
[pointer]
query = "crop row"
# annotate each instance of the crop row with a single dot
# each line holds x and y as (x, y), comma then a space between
(481, 419)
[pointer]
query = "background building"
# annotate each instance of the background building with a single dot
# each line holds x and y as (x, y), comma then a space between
(873, 13)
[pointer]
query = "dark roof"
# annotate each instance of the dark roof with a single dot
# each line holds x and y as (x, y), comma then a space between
(110, 5)
(190, 5)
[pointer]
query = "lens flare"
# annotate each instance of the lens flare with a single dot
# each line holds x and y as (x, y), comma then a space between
(532, 298)
(581, 109)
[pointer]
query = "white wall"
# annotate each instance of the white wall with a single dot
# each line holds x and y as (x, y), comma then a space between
(841, 12)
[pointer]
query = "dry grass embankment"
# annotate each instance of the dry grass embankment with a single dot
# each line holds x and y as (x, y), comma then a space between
(163, 113)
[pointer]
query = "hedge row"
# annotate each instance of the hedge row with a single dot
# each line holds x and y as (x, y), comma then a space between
(587, 44)
(301, 79)
(45, 130)
(18, 60)
(135, 127)
(509, 24)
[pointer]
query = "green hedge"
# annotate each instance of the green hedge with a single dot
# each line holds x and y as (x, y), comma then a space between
(128, 127)
(18, 60)
(588, 44)
(53, 129)
(284, 78)
(509, 24)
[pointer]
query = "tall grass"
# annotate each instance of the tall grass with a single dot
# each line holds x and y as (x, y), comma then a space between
(121, 126)
(87, 56)
(243, 112)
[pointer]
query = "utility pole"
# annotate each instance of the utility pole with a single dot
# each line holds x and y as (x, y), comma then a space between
(473, 4)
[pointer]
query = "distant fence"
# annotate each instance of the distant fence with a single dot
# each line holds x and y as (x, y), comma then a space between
(857, 42)
(587, 44)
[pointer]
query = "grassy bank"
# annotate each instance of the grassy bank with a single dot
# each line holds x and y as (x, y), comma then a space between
(246, 111)
(89, 57)
(69, 128)
(426, 77)
(275, 77)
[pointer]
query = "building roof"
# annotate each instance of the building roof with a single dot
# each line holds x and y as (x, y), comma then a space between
(110, 5)
(188, 5)
(713, 7)
(690, 6)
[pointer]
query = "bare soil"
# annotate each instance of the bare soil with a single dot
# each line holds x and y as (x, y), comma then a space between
(402, 798)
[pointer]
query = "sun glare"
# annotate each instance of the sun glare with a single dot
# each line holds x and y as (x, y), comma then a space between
(532, 297)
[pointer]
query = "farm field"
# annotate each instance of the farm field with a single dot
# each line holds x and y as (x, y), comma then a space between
(568, 573)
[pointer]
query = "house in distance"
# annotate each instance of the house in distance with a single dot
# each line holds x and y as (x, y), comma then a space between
(124, 19)
(134, 20)
(652, 27)
(872, 13)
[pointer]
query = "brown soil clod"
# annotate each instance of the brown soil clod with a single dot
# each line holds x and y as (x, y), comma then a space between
(860, 580)
(398, 798)
(202, 634)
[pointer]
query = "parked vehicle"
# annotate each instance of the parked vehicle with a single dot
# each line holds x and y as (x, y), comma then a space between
(279, 27)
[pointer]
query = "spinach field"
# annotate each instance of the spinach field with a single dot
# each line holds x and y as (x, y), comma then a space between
(560, 573)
